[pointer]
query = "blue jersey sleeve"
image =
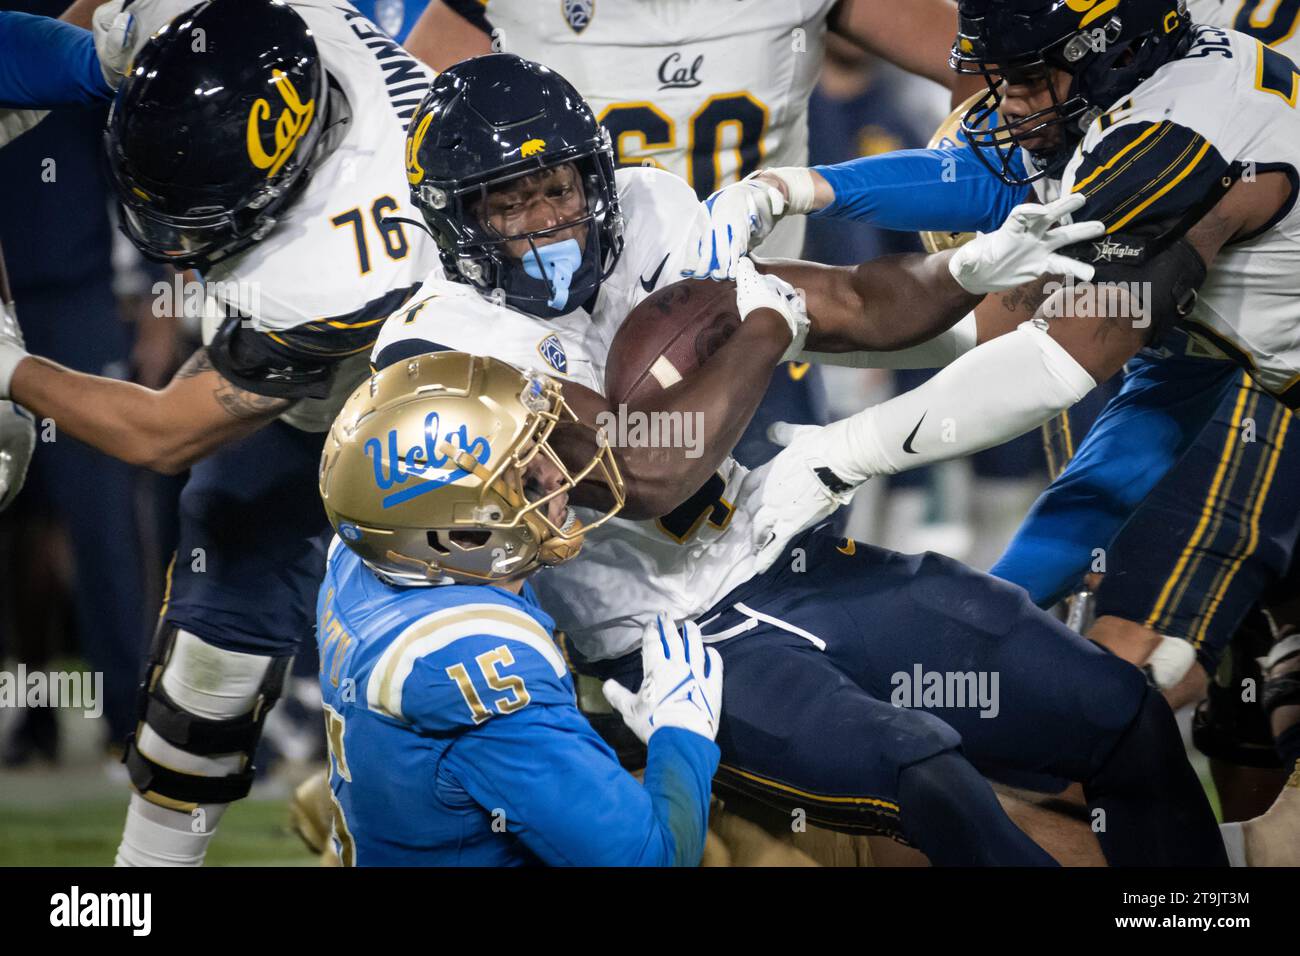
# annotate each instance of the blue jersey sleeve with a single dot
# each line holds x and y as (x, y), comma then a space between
(565, 796)
(476, 679)
(921, 189)
(1138, 437)
(45, 63)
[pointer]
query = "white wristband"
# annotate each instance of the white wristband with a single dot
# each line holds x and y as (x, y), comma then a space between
(798, 187)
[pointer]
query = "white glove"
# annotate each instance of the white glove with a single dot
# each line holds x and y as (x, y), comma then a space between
(681, 683)
(795, 495)
(17, 441)
(1024, 248)
(115, 35)
(11, 346)
(738, 217)
(758, 290)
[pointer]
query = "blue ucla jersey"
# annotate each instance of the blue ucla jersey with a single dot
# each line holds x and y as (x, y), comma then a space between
(455, 738)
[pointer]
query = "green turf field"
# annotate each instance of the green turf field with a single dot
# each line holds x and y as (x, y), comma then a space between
(86, 832)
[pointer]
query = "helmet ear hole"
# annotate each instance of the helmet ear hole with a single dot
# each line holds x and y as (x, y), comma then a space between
(469, 540)
(437, 545)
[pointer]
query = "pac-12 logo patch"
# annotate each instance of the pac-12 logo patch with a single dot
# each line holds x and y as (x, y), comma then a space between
(553, 352)
(349, 531)
(578, 13)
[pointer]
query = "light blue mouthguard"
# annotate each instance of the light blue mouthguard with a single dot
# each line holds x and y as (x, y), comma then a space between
(559, 261)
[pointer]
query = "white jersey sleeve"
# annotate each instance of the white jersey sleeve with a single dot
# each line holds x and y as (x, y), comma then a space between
(1159, 160)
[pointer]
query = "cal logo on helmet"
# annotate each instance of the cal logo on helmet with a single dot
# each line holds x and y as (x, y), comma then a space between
(414, 171)
(553, 351)
(532, 147)
(293, 121)
(1091, 9)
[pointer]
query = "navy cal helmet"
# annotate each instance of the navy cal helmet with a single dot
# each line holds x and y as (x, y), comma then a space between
(491, 120)
(214, 128)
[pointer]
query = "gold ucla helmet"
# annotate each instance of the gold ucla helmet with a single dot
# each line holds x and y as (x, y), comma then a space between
(946, 137)
(423, 473)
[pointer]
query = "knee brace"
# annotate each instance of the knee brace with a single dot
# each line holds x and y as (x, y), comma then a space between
(209, 704)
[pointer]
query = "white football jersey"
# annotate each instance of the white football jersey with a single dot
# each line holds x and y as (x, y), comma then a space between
(1276, 22)
(708, 89)
(333, 268)
(628, 570)
(1147, 165)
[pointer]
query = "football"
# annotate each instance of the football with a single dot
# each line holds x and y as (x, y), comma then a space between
(669, 335)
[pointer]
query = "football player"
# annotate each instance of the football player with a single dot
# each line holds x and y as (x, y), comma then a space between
(1217, 569)
(454, 735)
(809, 646)
(259, 143)
(1167, 213)
(707, 90)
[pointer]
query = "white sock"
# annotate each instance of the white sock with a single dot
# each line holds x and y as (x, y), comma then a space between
(157, 836)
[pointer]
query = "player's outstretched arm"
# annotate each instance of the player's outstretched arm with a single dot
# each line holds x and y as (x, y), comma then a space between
(166, 430)
(896, 302)
(725, 391)
(946, 189)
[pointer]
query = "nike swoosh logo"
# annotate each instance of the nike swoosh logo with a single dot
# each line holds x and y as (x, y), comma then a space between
(907, 445)
(649, 285)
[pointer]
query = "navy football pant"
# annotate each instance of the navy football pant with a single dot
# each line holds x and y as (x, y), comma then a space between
(1218, 531)
(252, 542)
(825, 638)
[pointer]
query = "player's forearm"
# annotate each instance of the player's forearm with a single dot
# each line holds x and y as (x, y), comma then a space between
(678, 776)
(992, 394)
(939, 351)
(138, 425)
(717, 401)
(80, 13)
(914, 190)
(442, 37)
(894, 302)
(45, 63)
(722, 396)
